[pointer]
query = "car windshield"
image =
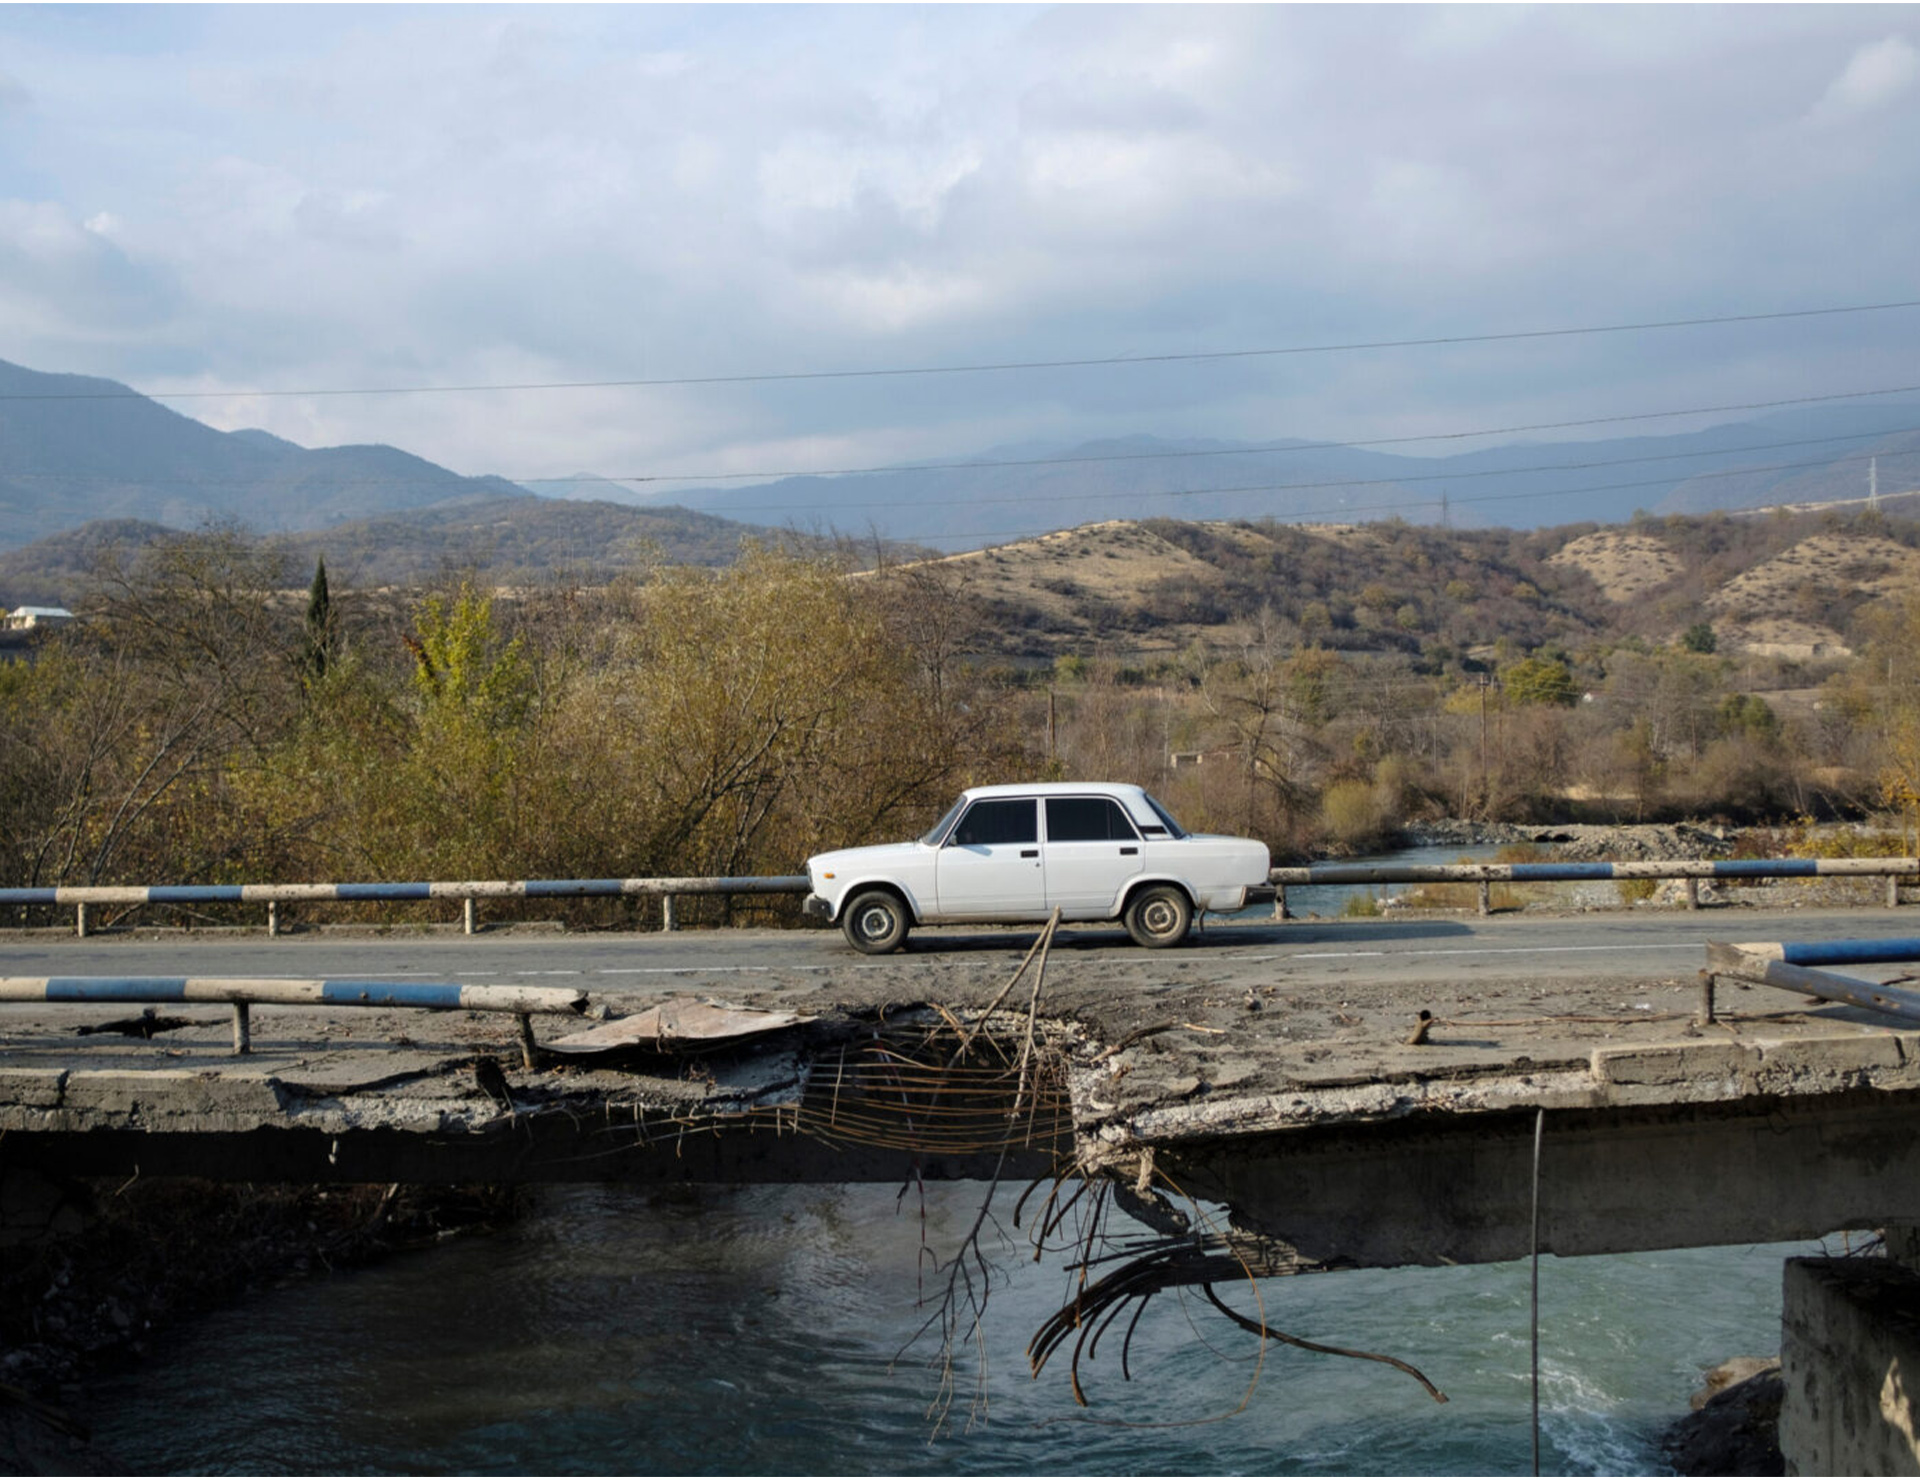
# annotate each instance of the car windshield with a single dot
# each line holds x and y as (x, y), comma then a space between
(932, 839)
(1174, 829)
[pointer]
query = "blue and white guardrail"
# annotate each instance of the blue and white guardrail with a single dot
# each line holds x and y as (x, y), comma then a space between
(1542, 873)
(1794, 966)
(1832, 952)
(80, 897)
(1692, 870)
(243, 993)
(290, 992)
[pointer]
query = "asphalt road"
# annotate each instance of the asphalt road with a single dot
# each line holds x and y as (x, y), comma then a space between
(1435, 951)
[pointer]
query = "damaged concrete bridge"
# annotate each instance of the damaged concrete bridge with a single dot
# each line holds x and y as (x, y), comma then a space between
(1417, 1102)
(1343, 1124)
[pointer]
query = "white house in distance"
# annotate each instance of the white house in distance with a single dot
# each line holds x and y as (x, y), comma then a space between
(38, 616)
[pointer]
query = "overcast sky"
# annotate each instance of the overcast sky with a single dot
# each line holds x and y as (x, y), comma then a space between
(240, 198)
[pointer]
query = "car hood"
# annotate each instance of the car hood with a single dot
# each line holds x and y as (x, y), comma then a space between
(860, 860)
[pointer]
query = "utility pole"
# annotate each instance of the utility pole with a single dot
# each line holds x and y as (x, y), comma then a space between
(1486, 682)
(1873, 483)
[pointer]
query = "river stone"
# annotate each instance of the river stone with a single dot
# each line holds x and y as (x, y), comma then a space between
(1735, 1428)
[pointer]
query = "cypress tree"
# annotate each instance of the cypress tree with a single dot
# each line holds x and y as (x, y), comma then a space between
(319, 624)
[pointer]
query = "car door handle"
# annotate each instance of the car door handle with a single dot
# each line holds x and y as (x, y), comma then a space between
(1128, 852)
(1029, 852)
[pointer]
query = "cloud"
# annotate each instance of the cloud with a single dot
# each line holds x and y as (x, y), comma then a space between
(285, 197)
(67, 280)
(1875, 75)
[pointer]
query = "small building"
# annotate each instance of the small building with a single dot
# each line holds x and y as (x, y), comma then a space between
(38, 616)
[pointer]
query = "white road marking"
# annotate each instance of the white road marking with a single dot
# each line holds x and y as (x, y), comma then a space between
(672, 970)
(1144, 962)
(1482, 951)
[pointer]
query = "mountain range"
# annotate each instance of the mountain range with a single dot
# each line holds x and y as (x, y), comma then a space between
(75, 450)
(1803, 455)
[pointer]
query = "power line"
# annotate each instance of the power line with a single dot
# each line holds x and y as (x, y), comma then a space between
(1344, 511)
(1288, 447)
(736, 508)
(733, 508)
(990, 367)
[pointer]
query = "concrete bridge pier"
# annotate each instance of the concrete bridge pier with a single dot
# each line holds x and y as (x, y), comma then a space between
(1850, 1362)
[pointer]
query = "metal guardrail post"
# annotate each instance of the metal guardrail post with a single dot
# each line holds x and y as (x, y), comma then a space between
(1486, 897)
(1280, 911)
(1693, 894)
(1893, 891)
(669, 920)
(242, 1029)
(466, 914)
(80, 919)
(273, 917)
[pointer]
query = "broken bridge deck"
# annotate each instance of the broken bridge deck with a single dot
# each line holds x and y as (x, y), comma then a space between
(1307, 1113)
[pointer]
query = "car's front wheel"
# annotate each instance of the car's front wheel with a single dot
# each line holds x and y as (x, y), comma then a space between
(1159, 916)
(875, 922)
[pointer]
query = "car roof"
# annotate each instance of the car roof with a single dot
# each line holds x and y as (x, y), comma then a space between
(1058, 789)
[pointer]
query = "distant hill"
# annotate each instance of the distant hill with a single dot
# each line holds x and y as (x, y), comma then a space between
(79, 449)
(1896, 460)
(1792, 587)
(515, 541)
(53, 571)
(1806, 454)
(505, 541)
(1796, 587)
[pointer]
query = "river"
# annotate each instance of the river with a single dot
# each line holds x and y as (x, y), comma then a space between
(759, 1330)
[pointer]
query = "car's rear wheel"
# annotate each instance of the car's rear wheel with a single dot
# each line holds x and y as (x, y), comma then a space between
(875, 922)
(1159, 915)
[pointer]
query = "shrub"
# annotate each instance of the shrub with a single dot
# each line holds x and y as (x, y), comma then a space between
(1355, 815)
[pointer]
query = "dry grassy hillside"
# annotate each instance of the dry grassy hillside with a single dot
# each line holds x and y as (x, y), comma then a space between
(1623, 563)
(1790, 587)
(1790, 604)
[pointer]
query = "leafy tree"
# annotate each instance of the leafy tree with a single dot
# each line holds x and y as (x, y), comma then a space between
(1748, 715)
(1539, 681)
(1699, 638)
(179, 675)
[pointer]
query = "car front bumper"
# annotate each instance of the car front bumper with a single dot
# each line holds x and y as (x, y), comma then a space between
(815, 905)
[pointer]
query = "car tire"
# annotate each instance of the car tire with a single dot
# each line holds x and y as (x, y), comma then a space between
(1159, 915)
(875, 922)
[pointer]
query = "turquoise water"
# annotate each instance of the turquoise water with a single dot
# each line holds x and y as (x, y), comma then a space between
(1329, 900)
(760, 1330)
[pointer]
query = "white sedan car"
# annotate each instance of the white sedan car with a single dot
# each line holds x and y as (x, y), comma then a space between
(1092, 850)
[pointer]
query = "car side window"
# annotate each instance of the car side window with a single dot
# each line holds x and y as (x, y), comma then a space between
(998, 822)
(1087, 820)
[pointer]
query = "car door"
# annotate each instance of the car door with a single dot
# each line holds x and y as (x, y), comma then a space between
(1091, 851)
(990, 866)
